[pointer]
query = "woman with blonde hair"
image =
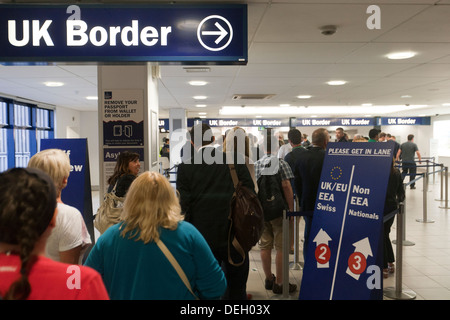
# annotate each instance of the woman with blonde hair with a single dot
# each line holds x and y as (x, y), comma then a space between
(130, 261)
(238, 142)
(70, 238)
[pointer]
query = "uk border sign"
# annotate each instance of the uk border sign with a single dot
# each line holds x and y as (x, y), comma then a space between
(345, 251)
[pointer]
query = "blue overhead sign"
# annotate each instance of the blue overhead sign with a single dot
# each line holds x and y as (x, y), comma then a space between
(119, 33)
(345, 252)
(404, 121)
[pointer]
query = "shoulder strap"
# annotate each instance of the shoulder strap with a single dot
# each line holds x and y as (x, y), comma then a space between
(234, 174)
(176, 266)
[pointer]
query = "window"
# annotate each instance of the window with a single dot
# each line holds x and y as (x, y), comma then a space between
(22, 126)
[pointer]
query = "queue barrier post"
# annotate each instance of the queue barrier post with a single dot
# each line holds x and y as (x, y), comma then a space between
(424, 201)
(286, 247)
(442, 182)
(397, 292)
(405, 242)
(446, 189)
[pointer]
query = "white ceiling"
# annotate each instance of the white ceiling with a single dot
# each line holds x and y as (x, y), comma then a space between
(288, 56)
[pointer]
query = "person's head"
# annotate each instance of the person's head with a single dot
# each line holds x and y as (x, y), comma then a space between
(320, 137)
(410, 137)
(382, 137)
(201, 135)
(55, 163)
(295, 137)
(151, 203)
(27, 213)
(373, 134)
(238, 141)
(339, 133)
(127, 163)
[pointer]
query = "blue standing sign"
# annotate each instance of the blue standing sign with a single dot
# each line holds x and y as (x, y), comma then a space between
(77, 193)
(345, 251)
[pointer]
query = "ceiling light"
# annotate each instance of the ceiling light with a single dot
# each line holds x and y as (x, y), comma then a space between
(336, 82)
(305, 96)
(53, 84)
(202, 113)
(285, 105)
(406, 96)
(366, 104)
(401, 55)
(92, 98)
(446, 104)
(199, 97)
(197, 83)
(200, 105)
(197, 69)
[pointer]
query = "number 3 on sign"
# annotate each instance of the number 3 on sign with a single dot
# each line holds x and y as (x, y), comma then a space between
(357, 263)
(322, 255)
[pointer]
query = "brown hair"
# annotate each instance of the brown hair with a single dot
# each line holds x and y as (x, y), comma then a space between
(27, 206)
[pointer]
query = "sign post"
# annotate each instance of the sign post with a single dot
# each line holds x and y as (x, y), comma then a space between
(345, 251)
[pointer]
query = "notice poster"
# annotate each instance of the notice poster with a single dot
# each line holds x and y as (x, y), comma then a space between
(345, 250)
(123, 117)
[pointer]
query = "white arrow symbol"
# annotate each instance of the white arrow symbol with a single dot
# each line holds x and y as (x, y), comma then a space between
(363, 247)
(322, 237)
(322, 250)
(222, 33)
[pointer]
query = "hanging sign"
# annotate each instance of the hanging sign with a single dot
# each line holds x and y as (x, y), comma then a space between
(344, 251)
(124, 33)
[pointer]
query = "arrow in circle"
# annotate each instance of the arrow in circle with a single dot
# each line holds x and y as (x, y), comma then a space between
(362, 251)
(221, 33)
(322, 252)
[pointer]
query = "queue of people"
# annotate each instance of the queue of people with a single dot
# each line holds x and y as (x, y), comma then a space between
(39, 233)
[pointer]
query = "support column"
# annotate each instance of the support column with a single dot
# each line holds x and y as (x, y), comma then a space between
(128, 116)
(177, 121)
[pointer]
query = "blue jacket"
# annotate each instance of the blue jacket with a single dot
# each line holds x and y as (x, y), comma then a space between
(132, 270)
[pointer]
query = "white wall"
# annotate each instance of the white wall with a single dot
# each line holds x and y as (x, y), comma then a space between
(71, 123)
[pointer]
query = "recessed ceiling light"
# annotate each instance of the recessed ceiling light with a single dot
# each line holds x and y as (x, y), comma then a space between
(446, 104)
(53, 84)
(200, 97)
(401, 55)
(92, 98)
(284, 105)
(406, 96)
(200, 105)
(202, 113)
(258, 116)
(366, 104)
(304, 96)
(336, 82)
(197, 83)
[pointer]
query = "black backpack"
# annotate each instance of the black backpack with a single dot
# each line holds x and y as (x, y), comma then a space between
(270, 194)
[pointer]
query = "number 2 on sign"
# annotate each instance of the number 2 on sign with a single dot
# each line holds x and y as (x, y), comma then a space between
(322, 253)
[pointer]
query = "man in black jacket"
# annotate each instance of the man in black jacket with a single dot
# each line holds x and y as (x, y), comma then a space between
(307, 172)
(206, 188)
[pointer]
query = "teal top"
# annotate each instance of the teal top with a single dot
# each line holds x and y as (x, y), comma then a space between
(132, 270)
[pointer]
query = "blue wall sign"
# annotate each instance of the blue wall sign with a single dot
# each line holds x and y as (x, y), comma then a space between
(120, 33)
(77, 193)
(344, 253)
(404, 121)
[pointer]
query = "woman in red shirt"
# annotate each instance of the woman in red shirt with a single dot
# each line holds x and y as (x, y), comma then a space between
(27, 215)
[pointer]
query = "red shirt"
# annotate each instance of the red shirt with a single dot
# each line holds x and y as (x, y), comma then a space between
(52, 280)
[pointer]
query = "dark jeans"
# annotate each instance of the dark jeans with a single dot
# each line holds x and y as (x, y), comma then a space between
(411, 168)
(236, 276)
(388, 252)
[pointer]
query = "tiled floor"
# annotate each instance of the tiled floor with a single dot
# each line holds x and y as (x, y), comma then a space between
(426, 263)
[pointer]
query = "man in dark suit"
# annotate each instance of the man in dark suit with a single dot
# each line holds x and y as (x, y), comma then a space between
(206, 188)
(308, 169)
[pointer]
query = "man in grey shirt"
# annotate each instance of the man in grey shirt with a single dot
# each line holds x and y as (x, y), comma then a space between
(407, 152)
